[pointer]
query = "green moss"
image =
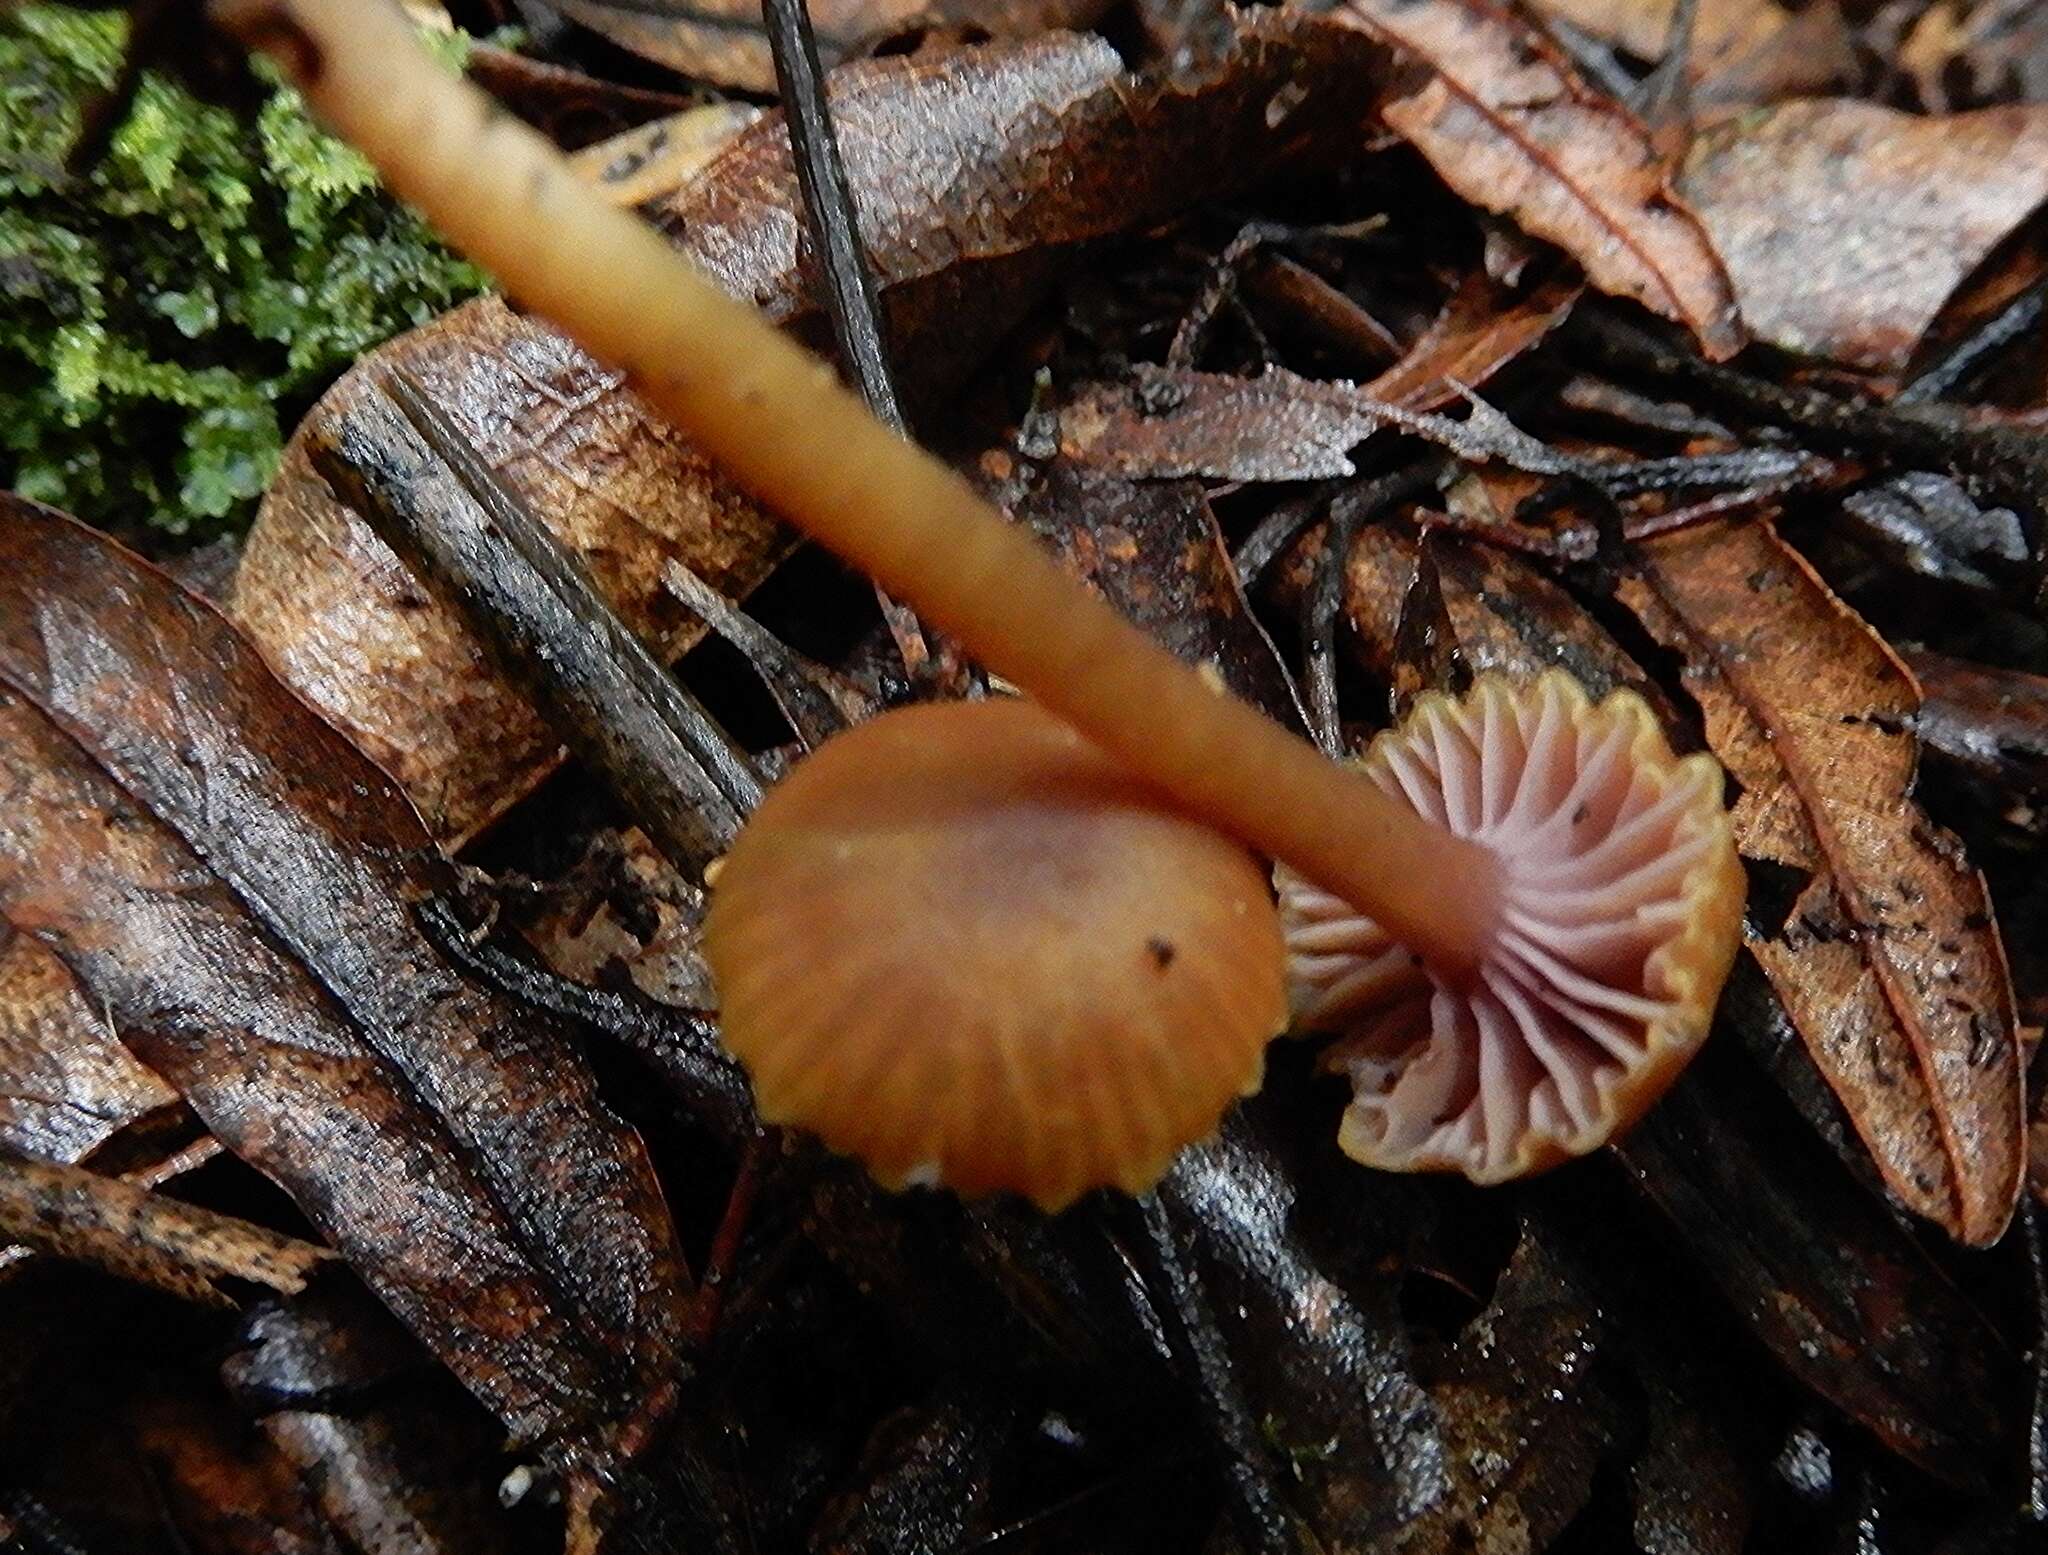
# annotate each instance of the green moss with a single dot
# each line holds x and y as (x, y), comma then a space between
(165, 319)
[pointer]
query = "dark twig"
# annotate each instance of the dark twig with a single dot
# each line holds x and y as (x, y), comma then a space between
(759, 1155)
(817, 702)
(1263, 1524)
(1324, 606)
(848, 280)
(1278, 530)
(681, 1046)
(1956, 367)
(2001, 464)
(137, 1235)
(434, 502)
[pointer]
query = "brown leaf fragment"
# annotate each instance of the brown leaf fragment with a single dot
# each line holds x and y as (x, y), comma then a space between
(1279, 426)
(1153, 549)
(1505, 121)
(1887, 957)
(137, 1235)
(1167, 423)
(964, 166)
(66, 1083)
(1482, 328)
(1846, 225)
(236, 885)
(1506, 616)
(1743, 51)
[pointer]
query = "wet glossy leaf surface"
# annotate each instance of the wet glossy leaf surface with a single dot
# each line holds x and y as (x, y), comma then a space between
(238, 901)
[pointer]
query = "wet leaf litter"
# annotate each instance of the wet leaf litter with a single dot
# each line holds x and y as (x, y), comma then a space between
(1423, 425)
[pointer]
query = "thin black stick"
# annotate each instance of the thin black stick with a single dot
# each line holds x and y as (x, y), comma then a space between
(1324, 604)
(2008, 465)
(411, 474)
(1260, 1517)
(1955, 368)
(850, 296)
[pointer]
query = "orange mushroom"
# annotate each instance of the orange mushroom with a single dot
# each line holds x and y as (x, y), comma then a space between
(1621, 907)
(777, 420)
(964, 945)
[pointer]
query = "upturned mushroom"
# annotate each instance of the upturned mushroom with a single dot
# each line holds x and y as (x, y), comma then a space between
(966, 947)
(1620, 905)
(779, 421)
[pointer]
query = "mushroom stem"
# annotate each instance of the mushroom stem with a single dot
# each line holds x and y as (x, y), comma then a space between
(779, 421)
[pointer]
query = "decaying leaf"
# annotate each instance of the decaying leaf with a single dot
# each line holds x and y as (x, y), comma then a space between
(1030, 147)
(66, 1083)
(1821, 1273)
(236, 884)
(1278, 426)
(1882, 944)
(1846, 225)
(1527, 1407)
(1507, 123)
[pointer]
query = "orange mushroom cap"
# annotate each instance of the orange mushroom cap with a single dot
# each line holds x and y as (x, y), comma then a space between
(1621, 908)
(964, 945)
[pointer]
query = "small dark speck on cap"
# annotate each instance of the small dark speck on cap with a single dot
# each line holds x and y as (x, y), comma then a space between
(1162, 952)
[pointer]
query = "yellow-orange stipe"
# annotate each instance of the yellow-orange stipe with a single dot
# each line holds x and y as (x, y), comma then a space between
(965, 946)
(781, 423)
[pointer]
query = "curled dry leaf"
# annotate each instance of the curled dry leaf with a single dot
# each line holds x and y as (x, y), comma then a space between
(1508, 124)
(1846, 225)
(1884, 949)
(66, 1083)
(1279, 426)
(236, 885)
(1021, 149)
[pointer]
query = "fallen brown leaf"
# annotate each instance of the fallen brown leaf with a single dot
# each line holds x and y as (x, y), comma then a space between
(1508, 124)
(66, 1083)
(1153, 549)
(1884, 952)
(1846, 225)
(237, 885)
